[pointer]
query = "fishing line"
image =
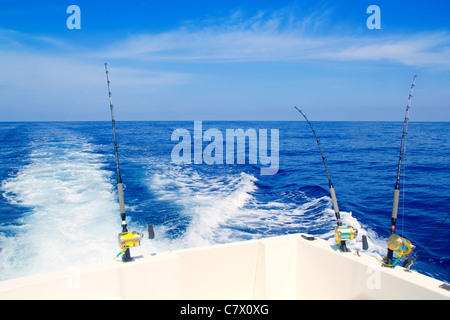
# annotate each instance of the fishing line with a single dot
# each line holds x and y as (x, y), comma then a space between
(404, 174)
(404, 185)
(443, 221)
(395, 242)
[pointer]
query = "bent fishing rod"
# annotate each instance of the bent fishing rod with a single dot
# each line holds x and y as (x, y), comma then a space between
(395, 242)
(342, 233)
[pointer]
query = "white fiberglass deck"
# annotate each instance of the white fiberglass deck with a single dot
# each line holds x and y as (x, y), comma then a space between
(285, 267)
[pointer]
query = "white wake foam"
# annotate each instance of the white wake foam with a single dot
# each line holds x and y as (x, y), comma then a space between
(225, 209)
(71, 214)
(208, 203)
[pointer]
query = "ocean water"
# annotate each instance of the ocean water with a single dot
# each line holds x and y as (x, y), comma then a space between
(59, 205)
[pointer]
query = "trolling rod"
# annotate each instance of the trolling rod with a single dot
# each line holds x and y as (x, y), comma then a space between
(395, 242)
(342, 233)
(126, 239)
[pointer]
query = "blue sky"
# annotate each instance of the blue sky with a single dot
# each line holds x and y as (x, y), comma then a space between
(224, 60)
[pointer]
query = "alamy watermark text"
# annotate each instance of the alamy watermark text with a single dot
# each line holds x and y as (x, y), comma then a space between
(235, 147)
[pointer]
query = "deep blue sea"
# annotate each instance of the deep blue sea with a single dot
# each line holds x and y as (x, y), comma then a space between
(59, 205)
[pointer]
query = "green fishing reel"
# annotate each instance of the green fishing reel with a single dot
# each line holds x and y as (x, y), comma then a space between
(402, 246)
(344, 233)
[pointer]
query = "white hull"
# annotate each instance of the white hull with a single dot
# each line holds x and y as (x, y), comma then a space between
(284, 267)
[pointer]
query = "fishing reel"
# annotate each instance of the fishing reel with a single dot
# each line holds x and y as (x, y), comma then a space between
(402, 246)
(344, 233)
(131, 239)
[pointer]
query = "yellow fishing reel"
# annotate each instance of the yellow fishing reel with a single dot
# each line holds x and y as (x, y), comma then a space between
(400, 245)
(344, 233)
(129, 239)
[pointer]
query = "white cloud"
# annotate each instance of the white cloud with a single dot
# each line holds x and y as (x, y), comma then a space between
(258, 38)
(275, 36)
(425, 49)
(38, 69)
(44, 84)
(16, 40)
(70, 71)
(279, 37)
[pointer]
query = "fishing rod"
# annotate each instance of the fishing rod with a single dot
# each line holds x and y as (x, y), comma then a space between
(127, 239)
(342, 233)
(395, 242)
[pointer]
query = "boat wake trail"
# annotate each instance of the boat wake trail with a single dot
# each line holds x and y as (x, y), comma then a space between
(205, 205)
(70, 210)
(214, 209)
